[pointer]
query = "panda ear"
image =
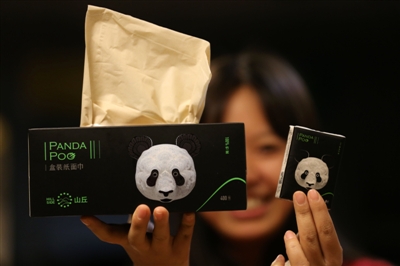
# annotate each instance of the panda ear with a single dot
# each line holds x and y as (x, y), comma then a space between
(329, 160)
(138, 145)
(190, 143)
(302, 154)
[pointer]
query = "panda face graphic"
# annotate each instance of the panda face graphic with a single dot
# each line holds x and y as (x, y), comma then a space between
(311, 173)
(165, 172)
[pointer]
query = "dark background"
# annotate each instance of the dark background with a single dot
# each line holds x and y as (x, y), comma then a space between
(347, 52)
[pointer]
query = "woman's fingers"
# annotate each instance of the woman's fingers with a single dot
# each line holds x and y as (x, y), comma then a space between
(279, 261)
(113, 234)
(294, 250)
(137, 233)
(185, 232)
(317, 234)
(307, 231)
(159, 248)
(328, 239)
(161, 238)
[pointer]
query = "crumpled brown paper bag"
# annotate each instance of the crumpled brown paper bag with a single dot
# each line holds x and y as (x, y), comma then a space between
(139, 73)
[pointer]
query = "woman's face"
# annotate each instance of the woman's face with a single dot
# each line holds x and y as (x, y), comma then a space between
(264, 155)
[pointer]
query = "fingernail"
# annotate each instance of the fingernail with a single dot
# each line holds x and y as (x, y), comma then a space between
(160, 213)
(279, 258)
(140, 213)
(300, 198)
(313, 194)
(84, 221)
(289, 235)
(157, 214)
(188, 216)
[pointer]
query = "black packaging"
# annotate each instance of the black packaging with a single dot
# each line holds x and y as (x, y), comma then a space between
(312, 160)
(93, 170)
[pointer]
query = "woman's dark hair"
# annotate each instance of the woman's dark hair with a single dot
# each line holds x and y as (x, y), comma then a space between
(282, 91)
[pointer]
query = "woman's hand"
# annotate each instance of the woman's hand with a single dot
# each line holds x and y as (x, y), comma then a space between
(317, 242)
(158, 248)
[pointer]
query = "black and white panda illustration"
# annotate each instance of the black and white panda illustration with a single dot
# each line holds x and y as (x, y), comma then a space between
(312, 172)
(165, 172)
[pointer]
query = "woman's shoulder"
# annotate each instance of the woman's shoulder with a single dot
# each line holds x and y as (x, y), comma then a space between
(367, 262)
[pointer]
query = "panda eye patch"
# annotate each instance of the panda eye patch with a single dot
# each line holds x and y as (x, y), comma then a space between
(178, 178)
(304, 175)
(151, 180)
(318, 176)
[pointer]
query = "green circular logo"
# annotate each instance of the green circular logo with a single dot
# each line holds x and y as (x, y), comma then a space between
(64, 200)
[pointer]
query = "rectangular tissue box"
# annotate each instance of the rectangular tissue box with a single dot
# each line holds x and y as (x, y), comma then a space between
(111, 170)
(312, 161)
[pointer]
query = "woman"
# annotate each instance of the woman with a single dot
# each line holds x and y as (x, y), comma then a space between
(267, 95)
